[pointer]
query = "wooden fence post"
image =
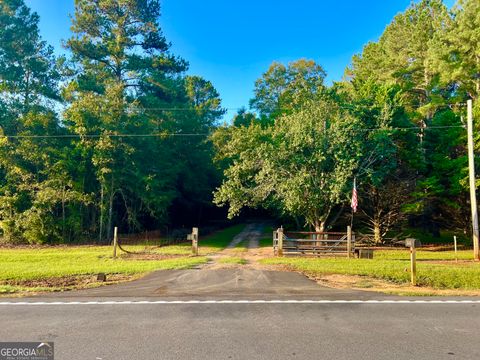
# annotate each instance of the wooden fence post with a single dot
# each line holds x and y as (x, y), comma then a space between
(455, 245)
(413, 262)
(195, 241)
(274, 237)
(280, 242)
(349, 241)
(115, 241)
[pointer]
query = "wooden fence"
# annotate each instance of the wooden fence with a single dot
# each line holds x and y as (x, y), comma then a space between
(313, 243)
(147, 239)
(154, 238)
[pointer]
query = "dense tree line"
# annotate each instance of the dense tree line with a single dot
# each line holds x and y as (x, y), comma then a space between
(77, 155)
(394, 123)
(102, 136)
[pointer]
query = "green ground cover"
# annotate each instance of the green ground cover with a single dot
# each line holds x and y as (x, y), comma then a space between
(33, 264)
(233, 260)
(220, 240)
(266, 242)
(207, 245)
(242, 246)
(25, 264)
(434, 269)
(445, 238)
(267, 237)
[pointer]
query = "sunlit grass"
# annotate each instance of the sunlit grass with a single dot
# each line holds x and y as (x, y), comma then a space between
(24, 264)
(41, 263)
(207, 245)
(233, 260)
(394, 266)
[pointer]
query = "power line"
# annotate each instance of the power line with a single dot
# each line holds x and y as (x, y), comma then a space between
(160, 135)
(75, 136)
(246, 109)
(416, 128)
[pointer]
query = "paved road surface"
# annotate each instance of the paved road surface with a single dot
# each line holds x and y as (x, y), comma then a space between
(235, 283)
(249, 331)
(110, 323)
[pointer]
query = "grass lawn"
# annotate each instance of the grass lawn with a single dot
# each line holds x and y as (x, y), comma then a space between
(233, 260)
(20, 266)
(445, 238)
(24, 266)
(219, 240)
(434, 269)
(267, 237)
(207, 245)
(241, 247)
(266, 242)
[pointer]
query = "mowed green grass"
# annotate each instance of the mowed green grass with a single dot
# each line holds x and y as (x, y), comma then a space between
(394, 265)
(207, 244)
(233, 260)
(43, 263)
(267, 237)
(23, 264)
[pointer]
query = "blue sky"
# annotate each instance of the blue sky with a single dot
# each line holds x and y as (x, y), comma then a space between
(231, 43)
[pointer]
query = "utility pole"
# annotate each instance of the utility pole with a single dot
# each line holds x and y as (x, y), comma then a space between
(473, 188)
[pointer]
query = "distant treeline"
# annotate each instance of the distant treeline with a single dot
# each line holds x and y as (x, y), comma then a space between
(112, 135)
(394, 123)
(116, 133)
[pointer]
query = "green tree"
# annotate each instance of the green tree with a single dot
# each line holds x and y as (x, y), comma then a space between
(197, 176)
(391, 156)
(402, 54)
(283, 89)
(123, 63)
(302, 165)
(441, 196)
(128, 82)
(27, 65)
(38, 197)
(455, 56)
(244, 118)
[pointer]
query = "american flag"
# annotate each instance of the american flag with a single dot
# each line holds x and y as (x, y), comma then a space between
(354, 203)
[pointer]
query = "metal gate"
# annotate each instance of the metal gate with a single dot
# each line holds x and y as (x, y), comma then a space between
(313, 243)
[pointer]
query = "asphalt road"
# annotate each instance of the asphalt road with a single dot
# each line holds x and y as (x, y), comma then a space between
(204, 284)
(176, 323)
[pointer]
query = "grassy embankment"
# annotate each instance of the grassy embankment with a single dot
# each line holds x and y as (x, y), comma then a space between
(436, 269)
(43, 268)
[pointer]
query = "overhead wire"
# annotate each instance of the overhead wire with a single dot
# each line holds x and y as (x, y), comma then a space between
(160, 135)
(164, 135)
(244, 108)
(74, 136)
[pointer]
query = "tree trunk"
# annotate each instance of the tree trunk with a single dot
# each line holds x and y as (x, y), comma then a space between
(297, 222)
(26, 103)
(110, 215)
(319, 226)
(63, 213)
(477, 82)
(377, 233)
(110, 211)
(100, 232)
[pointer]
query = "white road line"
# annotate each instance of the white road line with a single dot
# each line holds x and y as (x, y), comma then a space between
(208, 302)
